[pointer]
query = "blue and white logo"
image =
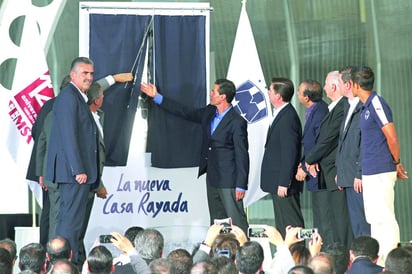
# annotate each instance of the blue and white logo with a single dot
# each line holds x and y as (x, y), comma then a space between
(250, 102)
(367, 114)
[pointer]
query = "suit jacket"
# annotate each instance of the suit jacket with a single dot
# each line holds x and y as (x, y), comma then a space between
(364, 266)
(324, 151)
(348, 156)
(102, 149)
(73, 147)
(282, 152)
(35, 132)
(42, 150)
(33, 170)
(310, 133)
(224, 155)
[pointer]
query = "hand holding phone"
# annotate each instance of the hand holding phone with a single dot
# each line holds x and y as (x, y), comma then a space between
(307, 233)
(256, 231)
(105, 239)
(227, 223)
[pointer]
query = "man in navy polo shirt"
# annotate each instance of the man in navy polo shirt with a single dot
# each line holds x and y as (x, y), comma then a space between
(380, 161)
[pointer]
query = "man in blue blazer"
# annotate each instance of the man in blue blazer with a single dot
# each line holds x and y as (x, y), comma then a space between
(72, 159)
(281, 157)
(224, 153)
(310, 95)
(348, 157)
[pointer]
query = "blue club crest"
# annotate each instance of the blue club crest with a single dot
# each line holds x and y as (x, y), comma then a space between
(250, 102)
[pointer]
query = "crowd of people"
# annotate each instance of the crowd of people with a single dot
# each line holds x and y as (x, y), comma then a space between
(222, 252)
(347, 155)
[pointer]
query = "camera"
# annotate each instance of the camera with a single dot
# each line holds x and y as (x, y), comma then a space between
(227, 223)
(307, 233)
(256, 231)
(224, 253)
(105, 239)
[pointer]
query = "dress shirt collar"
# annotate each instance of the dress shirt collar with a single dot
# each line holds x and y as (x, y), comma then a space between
(82, 93)
(333, 104)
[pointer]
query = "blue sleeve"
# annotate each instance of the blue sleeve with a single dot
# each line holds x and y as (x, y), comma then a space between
(158, 99)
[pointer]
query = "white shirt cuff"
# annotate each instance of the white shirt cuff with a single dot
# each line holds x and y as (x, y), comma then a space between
(110, 79)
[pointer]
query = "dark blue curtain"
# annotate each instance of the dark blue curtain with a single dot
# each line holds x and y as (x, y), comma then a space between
(179, 58)
(180, 73)
(115, 41)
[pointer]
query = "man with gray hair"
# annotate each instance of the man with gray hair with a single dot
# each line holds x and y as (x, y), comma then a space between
(320, 162)
(149, 244)
(63, 266)
(72, 159)
(33, 257)
(58, 248)
(10, 246)
(322, 263)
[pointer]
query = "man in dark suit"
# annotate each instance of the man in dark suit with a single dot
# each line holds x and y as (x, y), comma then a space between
(43, 124)
(95, 100)
(364, 255)
(320, 161)
(31, 170)
(72, 159)
(281, 157)
(224, 151)
(310, 95)
(348, 157)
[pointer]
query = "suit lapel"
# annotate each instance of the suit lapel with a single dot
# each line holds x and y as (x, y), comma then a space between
(226, 120)
(332, 112)
(276, 120)
(81, 99)
(345, 129)
(101, 119)
(308, 122)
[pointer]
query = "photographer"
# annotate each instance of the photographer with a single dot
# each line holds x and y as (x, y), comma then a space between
(138, 264)
(283, 260)
(217, 240)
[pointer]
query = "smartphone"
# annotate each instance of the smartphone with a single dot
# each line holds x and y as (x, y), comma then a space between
(307, 233)
(227, 223)
(224, 253)
(105, 239)
(256, 232)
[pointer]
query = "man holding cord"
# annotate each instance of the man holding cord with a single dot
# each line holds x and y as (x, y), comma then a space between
(224, 152)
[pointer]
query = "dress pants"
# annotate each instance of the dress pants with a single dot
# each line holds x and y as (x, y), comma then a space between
(357, 213)
(287, 212)
(331, 217)
(73, 200)
(222, 204)
(54, 200)
(44, 219)
(82, 250)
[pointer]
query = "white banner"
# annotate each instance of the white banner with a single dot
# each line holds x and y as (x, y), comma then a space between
(170, 200)
(251, 100)
(31, 87)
